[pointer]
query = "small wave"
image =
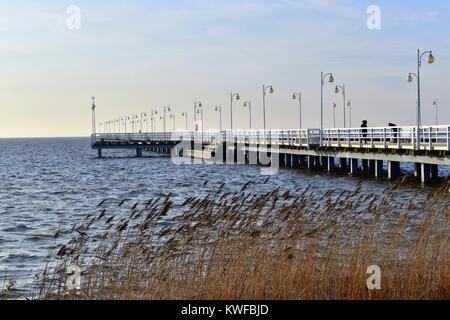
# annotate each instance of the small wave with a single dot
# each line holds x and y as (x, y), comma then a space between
(19, 227)
(39, 236)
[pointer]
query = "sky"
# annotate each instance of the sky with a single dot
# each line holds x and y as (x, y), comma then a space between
(135, 56)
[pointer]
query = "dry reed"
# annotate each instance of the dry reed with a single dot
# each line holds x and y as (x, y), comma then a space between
(276, 245)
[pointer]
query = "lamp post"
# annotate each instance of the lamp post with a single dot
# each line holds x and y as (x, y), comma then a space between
(322, 83)
(172, 116)
(435, 105)
(146, 124)
(232, 97)
(134, 117)
(334, 115)
(94, 129)
(185, 114)
(153, 113)
(166, 109)
(219, 109)
(410, 79)
(349, 105)
(249, 105)
(342, 89)
(197, 104)
(143, 114)
(124, 122)
(200, 112)
(265, 89)
(295, 96)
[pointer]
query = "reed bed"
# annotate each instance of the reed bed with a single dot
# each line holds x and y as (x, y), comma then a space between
(246, 245)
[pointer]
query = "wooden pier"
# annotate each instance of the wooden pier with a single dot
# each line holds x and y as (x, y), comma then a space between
(371, 151)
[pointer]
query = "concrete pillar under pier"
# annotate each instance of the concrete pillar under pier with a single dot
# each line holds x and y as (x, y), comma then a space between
(282, 157)
(372, 166)
(139, 152)
(99, 151)
(378, 169)
(288, 159)
(323, 162)
(425, 173)
(331, 164)
(312, 162)
(418, 171)
(365, 165)
(434, 171)
(343, 163)
(393, 170)
(302, 161)
(354, 167)
(295, 161)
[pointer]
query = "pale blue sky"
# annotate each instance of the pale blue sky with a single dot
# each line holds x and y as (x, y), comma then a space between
(136, 55)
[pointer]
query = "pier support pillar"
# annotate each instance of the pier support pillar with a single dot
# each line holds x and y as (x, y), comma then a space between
(343, 163)
(295, 161)
(282, 157)
(311, 162)
(365, 165)
(378, 169)
(139, 153)
(372, 166)
(99, 151)
(331, 164)
(354, 167)
(393, 170)
(425, 173)
(323, 162)
(418, 171)
(434, 171)
(302, 161)
(288, 160)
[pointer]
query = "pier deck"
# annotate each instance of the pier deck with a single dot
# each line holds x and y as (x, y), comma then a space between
(358, 149)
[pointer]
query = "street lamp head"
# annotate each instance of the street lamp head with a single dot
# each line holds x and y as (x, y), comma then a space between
(430, 58)
(334, 105)
(331, 80)
(336, 90)
(271, 89)
(238, 97)
(410, 78)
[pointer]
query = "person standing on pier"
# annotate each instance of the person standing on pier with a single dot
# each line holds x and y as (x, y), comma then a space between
(364, 130)
(394, 131)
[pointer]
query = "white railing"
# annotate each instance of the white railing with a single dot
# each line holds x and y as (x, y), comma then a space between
(431, 138)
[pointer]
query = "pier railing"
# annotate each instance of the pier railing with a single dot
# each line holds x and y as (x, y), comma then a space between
(429, 138)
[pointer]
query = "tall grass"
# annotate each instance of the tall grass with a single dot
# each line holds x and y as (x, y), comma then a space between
(276, 245)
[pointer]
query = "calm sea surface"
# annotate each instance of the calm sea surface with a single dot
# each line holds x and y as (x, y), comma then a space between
(47, 184)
